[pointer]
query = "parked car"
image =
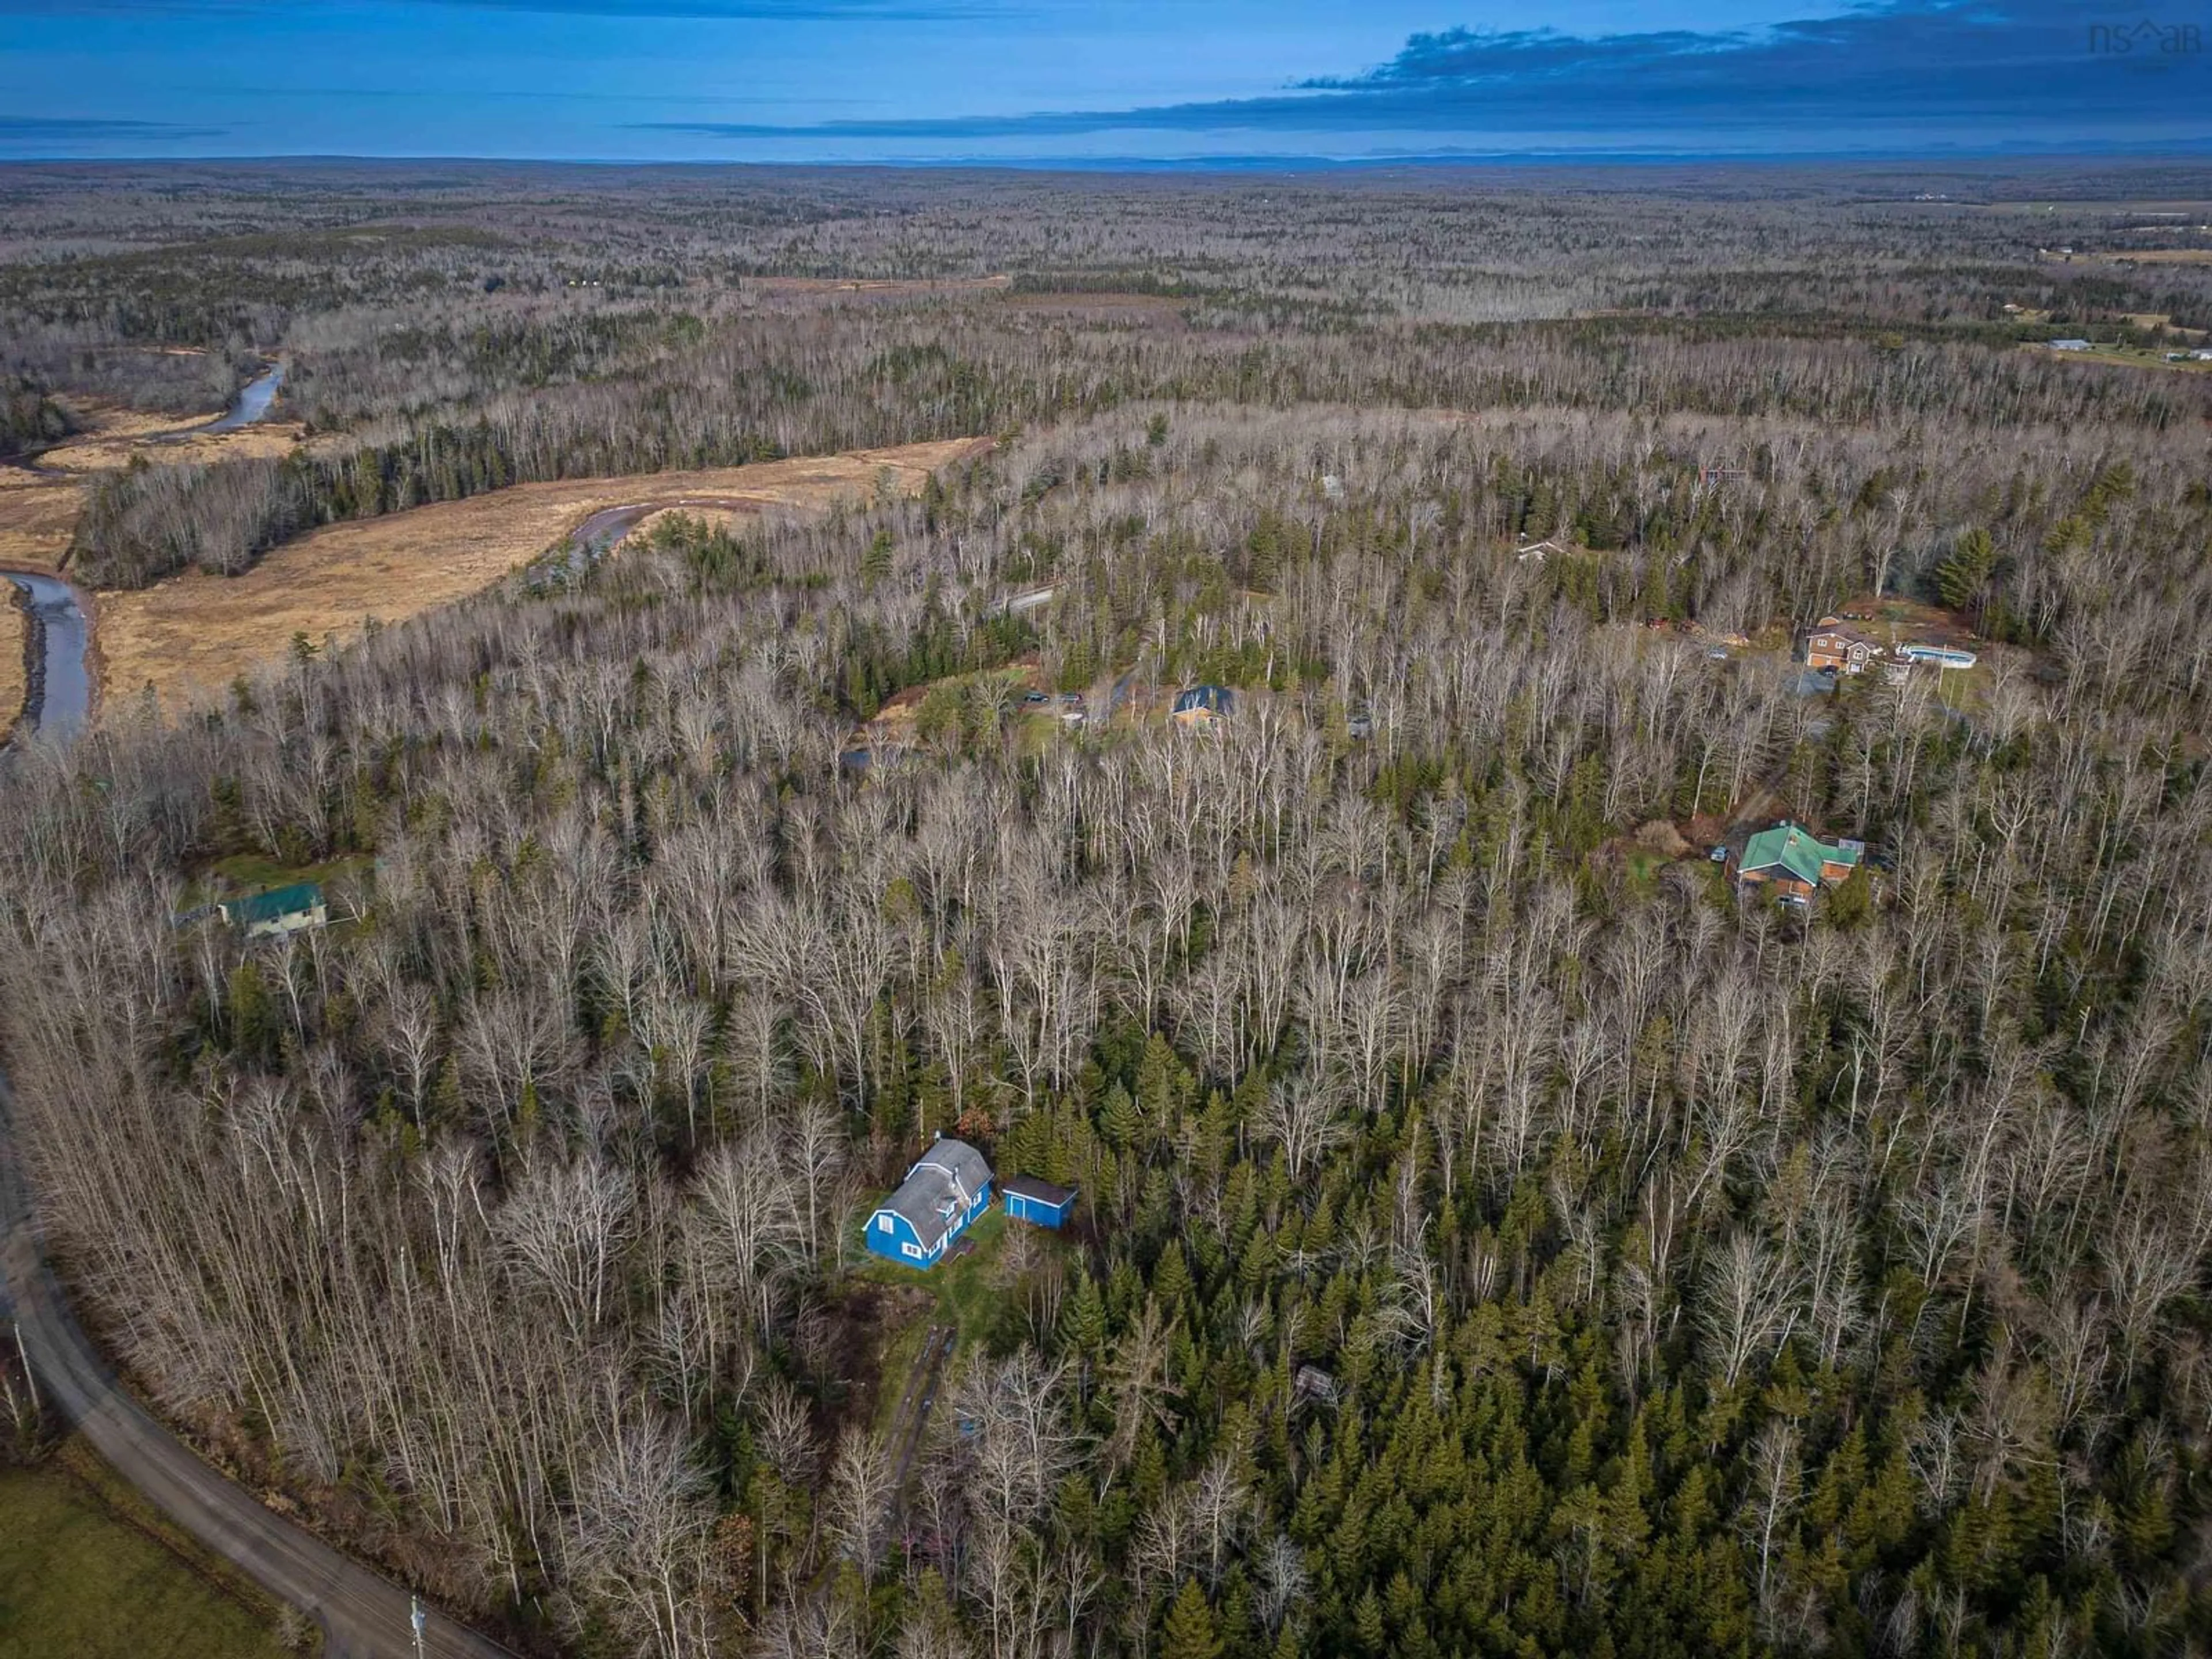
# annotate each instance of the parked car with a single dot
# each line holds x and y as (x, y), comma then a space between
(1034, 698)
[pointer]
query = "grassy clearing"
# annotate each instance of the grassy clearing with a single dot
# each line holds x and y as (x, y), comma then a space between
(967, 1288)
(893, 1365)
(2158, 256)
(38, 516)
(39, 510)
(876, 287)
(253, 873)
(12, 628)
(969, 1291)
(1034, 734)
(2130, 357)
(190, 636)
(84, 1571)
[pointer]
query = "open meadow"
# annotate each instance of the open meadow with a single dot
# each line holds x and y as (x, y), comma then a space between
(86, 1572)
(192, 634)
(12, 641)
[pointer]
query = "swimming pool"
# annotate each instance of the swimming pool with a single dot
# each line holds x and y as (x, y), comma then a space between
(1943, 656)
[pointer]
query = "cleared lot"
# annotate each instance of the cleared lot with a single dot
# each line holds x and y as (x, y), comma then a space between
(194, 634)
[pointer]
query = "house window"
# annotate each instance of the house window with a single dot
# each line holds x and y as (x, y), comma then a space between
(914, 1250)
(883, 1223)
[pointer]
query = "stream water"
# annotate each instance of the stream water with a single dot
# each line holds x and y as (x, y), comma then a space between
(65, 699)
(253, 401)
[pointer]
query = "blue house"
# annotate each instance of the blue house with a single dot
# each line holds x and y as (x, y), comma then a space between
(1037, 1202)
(944, 1192)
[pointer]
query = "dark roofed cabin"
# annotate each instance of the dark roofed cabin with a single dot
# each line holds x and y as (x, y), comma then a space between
(948, 1188)
(1037, 1202)
(1201, 705)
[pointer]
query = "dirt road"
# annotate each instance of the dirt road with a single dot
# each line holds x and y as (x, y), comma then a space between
(363, 1615)
(911, 1423)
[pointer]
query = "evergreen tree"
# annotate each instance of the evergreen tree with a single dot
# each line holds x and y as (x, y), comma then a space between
(1190, 1632)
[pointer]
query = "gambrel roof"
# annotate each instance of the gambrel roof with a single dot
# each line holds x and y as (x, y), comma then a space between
(939, 1189)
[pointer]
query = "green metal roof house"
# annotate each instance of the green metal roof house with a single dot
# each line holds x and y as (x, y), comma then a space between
(280, 910)
(1796, 862)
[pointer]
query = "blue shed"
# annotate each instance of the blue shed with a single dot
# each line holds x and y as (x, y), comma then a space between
(1038, 1202)
(947, 1189)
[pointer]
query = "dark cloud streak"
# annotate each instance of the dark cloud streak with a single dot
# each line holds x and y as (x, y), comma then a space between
(21, 128)
(1975, 71)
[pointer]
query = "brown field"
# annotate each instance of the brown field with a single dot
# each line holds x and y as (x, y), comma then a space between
(39, 508)
(1104, 299)
(11, 659)
(2195, 207)
(1150, 310)
(885, 286)
(103, 421)
(102, 452)
(2121, 358)
(2159, 255)
(38, 515)
(195, 633)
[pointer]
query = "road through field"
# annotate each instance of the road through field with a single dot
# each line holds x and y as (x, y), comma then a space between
(363, 1615)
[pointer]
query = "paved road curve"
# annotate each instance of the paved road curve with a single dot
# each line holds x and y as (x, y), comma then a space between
(363, 1615)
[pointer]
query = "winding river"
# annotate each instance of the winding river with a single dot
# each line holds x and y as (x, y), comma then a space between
(62, 702)
(253, 404)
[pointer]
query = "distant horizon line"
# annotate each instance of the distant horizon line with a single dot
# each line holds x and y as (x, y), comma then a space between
(2017, 151)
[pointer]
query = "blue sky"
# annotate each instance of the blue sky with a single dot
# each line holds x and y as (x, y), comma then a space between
(1027, 80)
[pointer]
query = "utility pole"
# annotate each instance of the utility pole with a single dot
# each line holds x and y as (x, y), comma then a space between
(23, 1354)
(414, 1617)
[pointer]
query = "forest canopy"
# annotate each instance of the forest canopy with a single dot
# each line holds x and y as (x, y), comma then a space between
(1499, 1231)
